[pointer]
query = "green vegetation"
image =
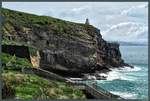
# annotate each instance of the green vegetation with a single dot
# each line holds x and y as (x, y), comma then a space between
(33, 51)
(29, 86)
(19, 85)
(27, 29)
(13, 62)
(15, 22)
(7, 41)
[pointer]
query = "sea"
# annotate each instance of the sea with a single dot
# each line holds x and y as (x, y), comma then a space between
(127, 82)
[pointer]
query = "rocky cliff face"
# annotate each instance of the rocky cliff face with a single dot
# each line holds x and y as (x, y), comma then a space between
(65, 47)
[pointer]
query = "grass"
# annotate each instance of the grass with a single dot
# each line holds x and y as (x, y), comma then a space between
(33, 51)
(13, 62)
(29, 86)
(15, 22)
(7, 41)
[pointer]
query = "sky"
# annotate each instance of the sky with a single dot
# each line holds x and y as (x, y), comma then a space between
(118, 21)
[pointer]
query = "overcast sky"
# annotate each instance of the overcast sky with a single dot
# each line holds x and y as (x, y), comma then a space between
(118, 21)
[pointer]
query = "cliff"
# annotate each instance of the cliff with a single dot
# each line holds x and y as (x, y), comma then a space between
(64, 47)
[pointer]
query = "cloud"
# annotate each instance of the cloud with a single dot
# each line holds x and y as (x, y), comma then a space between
(137, 11)
(116, 20)
(127, 31)
(116, 23)
(76, 11)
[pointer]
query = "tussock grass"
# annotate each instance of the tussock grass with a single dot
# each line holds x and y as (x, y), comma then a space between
(29, 86)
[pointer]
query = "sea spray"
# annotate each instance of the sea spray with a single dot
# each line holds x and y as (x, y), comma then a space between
(129, 83)
(120, 73)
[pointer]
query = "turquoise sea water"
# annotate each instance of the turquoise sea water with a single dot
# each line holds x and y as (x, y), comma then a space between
(130, 83)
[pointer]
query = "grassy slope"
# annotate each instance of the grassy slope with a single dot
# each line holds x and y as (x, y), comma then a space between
(14, 22)
(27, 86)
(31, 86)
(13, 62)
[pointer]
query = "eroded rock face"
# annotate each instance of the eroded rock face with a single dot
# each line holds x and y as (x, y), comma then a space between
(66, 61)
(74, 56)
(108, 54)
(64, 46)
(81, 57)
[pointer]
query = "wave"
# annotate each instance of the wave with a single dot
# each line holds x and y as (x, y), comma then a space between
(121, 74)
(126, 68)
(115, 75)
(125, 95)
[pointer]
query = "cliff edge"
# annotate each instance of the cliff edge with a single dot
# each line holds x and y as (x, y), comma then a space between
(63, 47)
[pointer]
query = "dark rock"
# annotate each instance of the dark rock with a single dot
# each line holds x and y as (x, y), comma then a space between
(65, 47)
(19, 51)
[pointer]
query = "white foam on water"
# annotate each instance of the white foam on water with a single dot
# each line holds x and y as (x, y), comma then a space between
(103, 74)
(126, 68)
(113, 75)
(116, 75)
(125, 73)
(125, 95)
(121, 73)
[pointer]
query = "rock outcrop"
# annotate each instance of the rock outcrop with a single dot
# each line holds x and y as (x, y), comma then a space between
(65, 47)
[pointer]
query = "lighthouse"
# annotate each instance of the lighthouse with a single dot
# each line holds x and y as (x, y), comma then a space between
(87, 21)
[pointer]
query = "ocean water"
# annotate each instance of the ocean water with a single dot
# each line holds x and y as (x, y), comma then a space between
(130, 83)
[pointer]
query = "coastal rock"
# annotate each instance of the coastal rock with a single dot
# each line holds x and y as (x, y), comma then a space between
(64, 47)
